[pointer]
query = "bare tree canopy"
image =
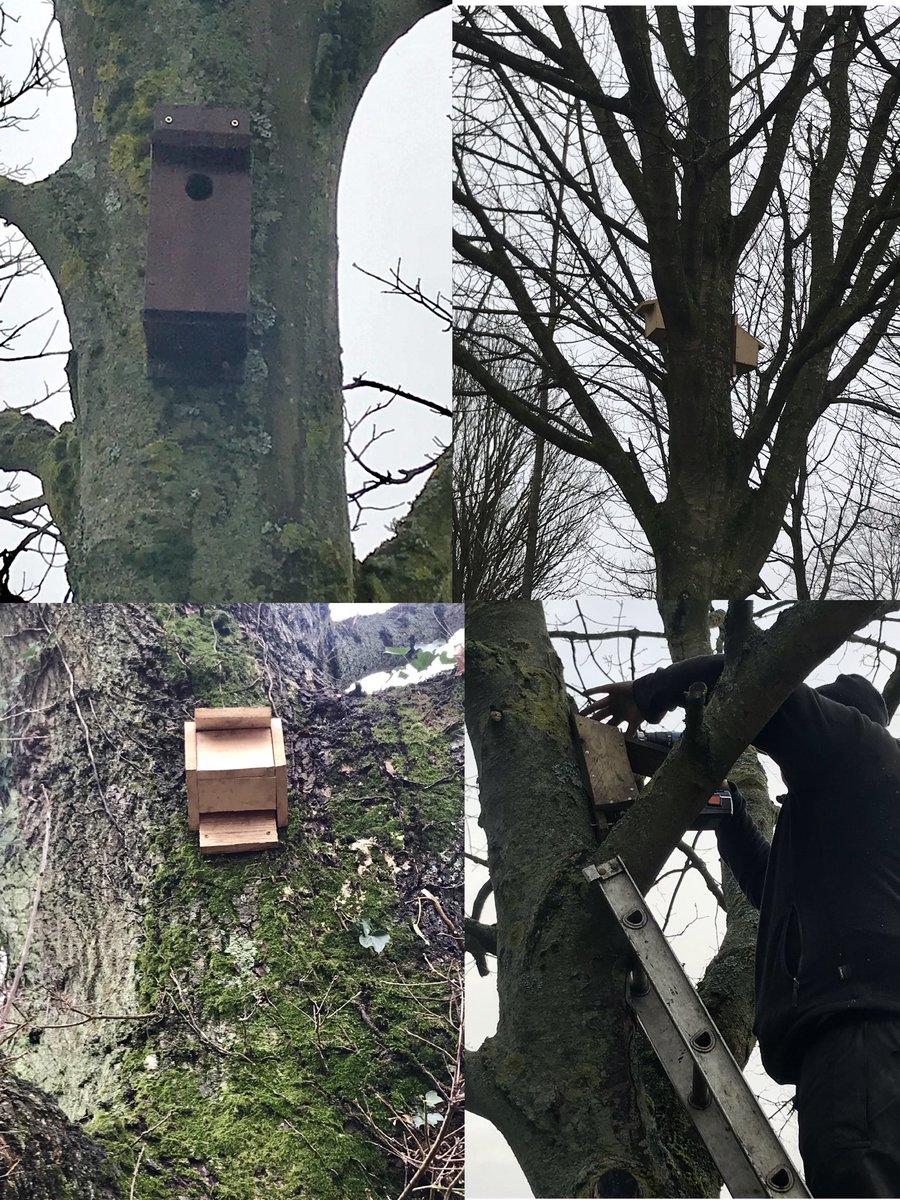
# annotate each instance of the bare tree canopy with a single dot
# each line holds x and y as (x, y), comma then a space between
(742, 168)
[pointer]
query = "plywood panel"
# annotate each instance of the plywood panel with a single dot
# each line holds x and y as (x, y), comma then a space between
(280, 770)
(236, 795)
(222, 754)
(236, 833)
(234, 718)
(654, 326)
(609, 771)
(746, 351)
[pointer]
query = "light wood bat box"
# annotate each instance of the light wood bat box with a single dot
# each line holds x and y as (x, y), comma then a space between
(746, 351)
(745, 347)
(609, 772)
(654, 325)
(236, 773)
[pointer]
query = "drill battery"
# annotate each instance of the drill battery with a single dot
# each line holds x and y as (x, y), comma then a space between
(648, 750)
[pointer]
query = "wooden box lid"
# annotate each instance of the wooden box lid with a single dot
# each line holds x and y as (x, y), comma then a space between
(224, 753)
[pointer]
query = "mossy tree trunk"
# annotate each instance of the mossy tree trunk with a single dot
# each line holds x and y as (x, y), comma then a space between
(568, 1078)
(214, 1025)
(174, 491)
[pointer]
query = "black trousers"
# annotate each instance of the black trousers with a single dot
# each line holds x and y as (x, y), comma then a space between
(848, 1105)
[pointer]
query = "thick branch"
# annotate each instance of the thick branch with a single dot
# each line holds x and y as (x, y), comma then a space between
(415, 562)
(24, 441)
(44, 1155)
(481, 940)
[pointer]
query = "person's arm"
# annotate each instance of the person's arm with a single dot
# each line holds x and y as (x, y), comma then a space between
(802, 736)
(663, 690)
(743, 848)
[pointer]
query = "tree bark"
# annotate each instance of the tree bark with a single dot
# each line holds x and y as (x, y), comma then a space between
(176, 491)
(214, 1022)
(43, 1155)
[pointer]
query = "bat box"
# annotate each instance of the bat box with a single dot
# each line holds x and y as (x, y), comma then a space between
(236, 778)
(608, 772)
(196, 302)
(745, 347)
(654, 325)
(746, 351)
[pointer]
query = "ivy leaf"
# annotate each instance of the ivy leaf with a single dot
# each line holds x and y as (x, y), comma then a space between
(432, 1119)
(372, 941)
(397, 650)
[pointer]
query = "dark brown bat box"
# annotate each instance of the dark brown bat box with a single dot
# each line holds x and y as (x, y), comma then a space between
(198, 245)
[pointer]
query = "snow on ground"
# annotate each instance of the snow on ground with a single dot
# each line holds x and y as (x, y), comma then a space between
(426, 661)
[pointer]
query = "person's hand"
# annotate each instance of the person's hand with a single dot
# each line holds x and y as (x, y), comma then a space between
(615, 705)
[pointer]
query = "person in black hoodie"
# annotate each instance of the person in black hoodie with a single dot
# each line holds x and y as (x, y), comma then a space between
(828, 894)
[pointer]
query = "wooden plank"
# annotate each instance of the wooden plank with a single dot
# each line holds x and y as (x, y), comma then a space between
(236, 795)
(233, 718)
(226, 754)
(606, 760)
(280, 771)
(190, 771)
(237, 833)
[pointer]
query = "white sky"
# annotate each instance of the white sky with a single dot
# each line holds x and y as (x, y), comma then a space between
(394, 206)
(694, 929)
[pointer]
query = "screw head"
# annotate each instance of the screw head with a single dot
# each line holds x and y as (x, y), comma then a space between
(235, 123)
(168, 120)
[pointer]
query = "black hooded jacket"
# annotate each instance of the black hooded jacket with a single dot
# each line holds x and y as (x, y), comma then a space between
(828, 887)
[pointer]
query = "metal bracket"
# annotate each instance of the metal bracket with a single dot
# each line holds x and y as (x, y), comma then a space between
(701, 1068)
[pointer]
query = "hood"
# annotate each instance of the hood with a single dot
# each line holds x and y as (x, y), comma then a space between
(856, 692)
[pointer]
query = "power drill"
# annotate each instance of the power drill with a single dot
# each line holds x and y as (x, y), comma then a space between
(718, 806)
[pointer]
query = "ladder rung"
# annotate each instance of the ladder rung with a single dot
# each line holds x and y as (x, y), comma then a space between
(701, 1068)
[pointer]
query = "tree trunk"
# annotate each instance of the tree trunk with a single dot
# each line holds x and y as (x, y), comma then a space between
(567, 1078)
(174, 490)
(215, 1022)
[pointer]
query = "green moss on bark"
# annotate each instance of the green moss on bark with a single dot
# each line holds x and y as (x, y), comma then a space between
(268, 1028)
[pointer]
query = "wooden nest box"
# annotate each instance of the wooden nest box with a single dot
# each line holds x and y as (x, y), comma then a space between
(236, 778)
(196, 303)
(745, 347)
(654, 325)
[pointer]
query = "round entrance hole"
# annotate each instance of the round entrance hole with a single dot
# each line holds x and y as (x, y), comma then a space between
(199, 187)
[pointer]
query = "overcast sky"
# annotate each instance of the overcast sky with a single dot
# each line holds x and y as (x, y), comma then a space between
(394, 207)
(695, 928)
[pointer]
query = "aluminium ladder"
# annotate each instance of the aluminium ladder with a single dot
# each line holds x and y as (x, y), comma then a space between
(701, 1068)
